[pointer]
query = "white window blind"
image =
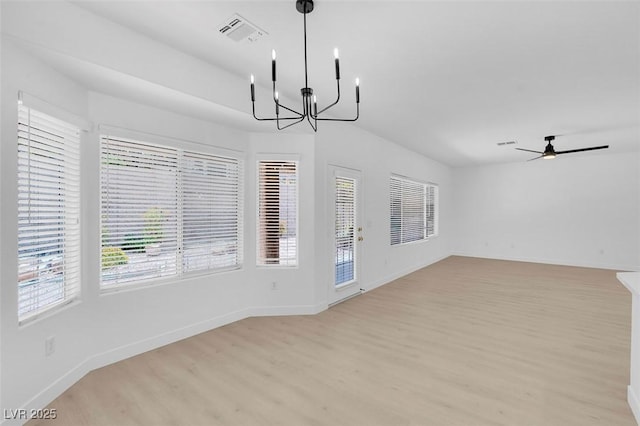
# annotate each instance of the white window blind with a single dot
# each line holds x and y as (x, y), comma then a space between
(166, 211)
(48, 212)
(277, 213)
(432, 211)
(212, 208)
(139, 211)
(345, 209)
(413, 210)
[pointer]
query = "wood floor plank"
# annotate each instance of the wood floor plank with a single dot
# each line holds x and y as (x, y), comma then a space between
(465, 341)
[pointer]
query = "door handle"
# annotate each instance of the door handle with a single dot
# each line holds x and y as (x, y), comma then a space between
(359, 228)
(360, 238)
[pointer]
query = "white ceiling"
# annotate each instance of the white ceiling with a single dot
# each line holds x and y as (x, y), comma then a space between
(448, 79)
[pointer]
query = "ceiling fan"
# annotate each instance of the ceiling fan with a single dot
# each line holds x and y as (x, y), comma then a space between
(550, 153)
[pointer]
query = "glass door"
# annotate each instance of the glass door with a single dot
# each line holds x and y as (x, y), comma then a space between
(347, 233)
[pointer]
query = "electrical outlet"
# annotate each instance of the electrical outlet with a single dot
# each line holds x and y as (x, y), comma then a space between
(50, 345)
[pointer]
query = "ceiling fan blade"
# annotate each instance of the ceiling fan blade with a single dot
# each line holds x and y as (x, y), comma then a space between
(583, 149)
(529, 150)
(535, 158)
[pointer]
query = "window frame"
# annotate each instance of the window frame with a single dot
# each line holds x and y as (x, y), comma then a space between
(179, 147)
(340, 240)
(277, 158)
(429, 223)
(68, 129)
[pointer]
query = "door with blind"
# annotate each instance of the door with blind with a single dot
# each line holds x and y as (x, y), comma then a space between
(346, 224)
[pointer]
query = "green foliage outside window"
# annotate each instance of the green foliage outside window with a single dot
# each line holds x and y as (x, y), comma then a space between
(153, 232)
(113, 256)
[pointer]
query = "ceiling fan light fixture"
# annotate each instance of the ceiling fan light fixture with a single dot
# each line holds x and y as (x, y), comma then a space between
(309, 101)
(550, 153)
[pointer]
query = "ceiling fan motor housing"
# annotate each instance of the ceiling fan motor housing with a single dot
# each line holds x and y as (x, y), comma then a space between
(304, 6)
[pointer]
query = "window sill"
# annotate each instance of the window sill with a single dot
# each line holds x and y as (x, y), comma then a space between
(110, 289)
(49, 312)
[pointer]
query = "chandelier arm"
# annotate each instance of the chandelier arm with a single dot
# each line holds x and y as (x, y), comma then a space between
(291, 110)
(281, 119)
(343, 119)
(314, 127)
(290, 124)
(337, 100)
(253, 107)
(277, 101)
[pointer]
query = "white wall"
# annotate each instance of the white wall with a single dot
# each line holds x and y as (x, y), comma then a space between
(294, 286)
(342, 145)
(483, 211)
(573, 210)
(102, 328)
(24, 346)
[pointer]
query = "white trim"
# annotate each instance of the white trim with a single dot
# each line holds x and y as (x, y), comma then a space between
(179, 157)
(50, 311)
(634, 403)
(344, 299)
(269, 311)
(276, 156)
(60, 196)
(398, 187)
(161, 281)
(335, 293)
(631, 280)
(344, 285)
(168, 141)
(64, 382)
(45, 107)
(597, 265)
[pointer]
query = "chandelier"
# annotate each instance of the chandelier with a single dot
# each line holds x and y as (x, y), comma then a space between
(310, 110)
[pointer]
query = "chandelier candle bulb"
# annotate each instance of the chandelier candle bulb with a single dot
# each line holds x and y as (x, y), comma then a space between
(273, 65)
(357, 90)
(277, 104)
(315, 105)
(335, 54)
(253, 89)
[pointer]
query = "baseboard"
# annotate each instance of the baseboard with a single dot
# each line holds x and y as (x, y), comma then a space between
(270, 311)
(55, 389)
(392, 277)
(634, 403)
(94, 362)
(51, 392)
(603, 265)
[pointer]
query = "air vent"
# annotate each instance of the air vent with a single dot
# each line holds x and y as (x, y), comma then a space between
(239, 29)
(506, 143)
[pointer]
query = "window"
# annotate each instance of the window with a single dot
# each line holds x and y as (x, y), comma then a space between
(277, 213)
(345, 222)
(167, 211)
(414, 210)
(48, 212)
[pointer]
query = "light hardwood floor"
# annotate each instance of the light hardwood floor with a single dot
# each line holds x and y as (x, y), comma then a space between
(463, 342)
